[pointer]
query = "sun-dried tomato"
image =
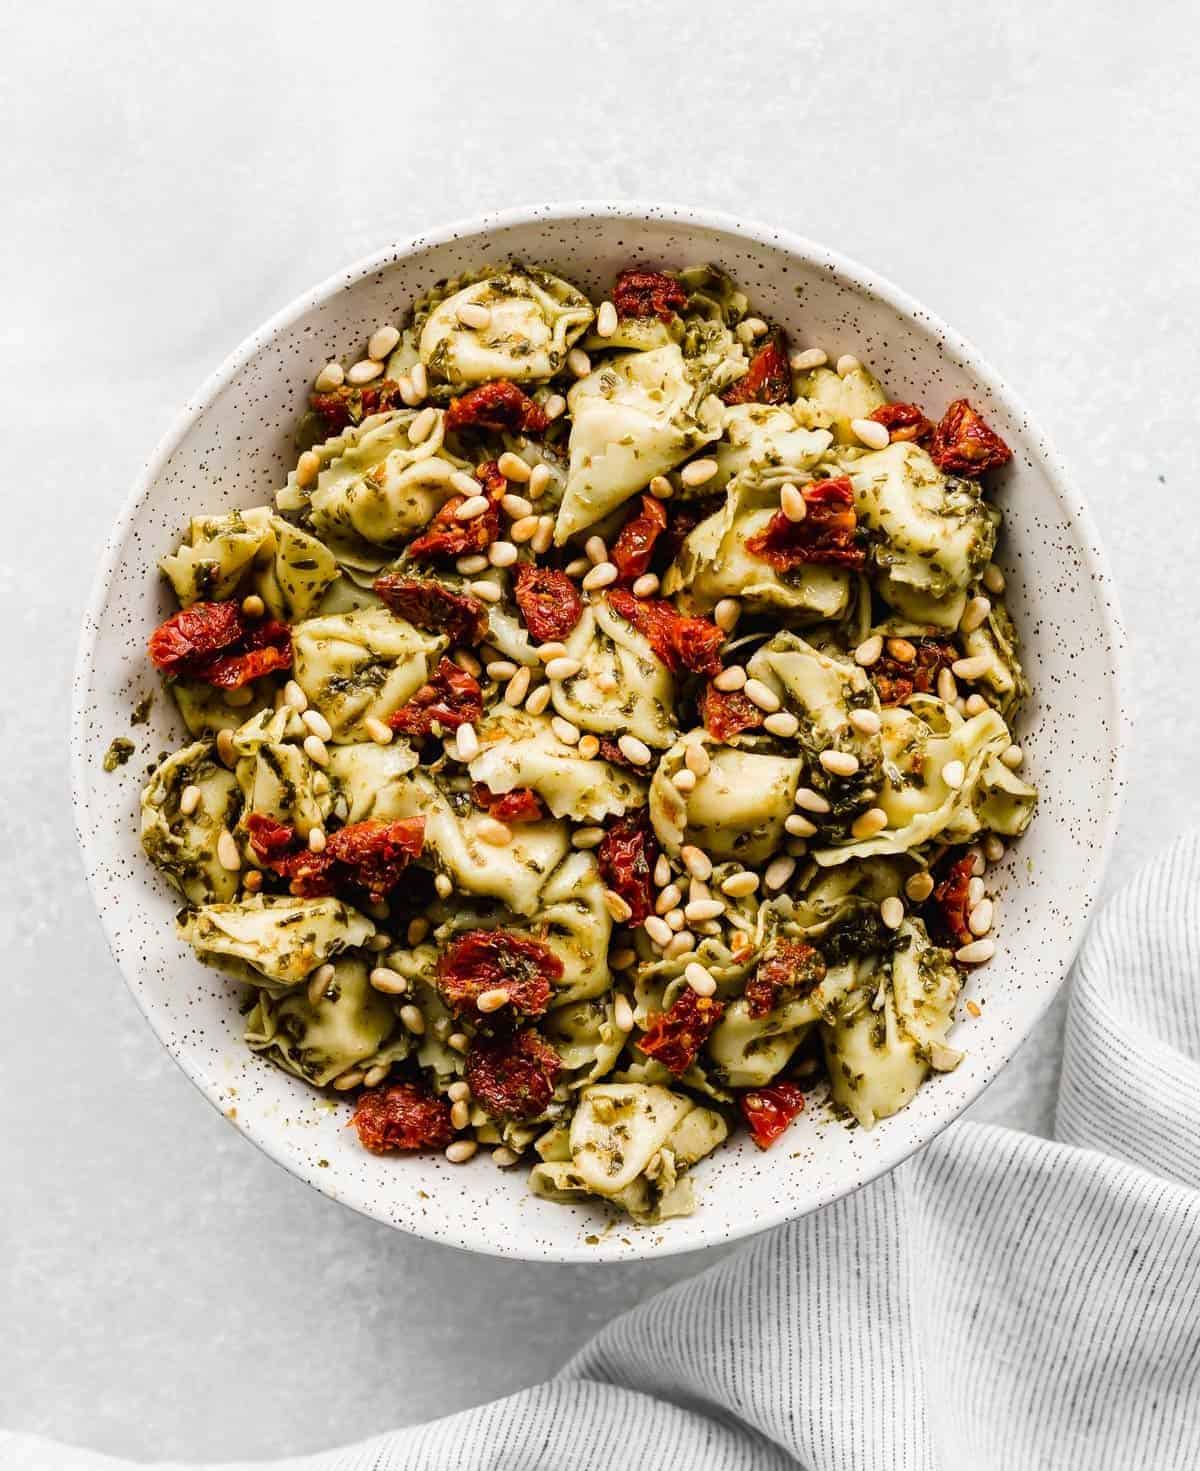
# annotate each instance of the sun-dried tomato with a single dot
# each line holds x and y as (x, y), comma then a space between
(549, 602)
(828, 535)
(367, 856)
(768, 380)
(681, 643)
(648, 294)
(903, 421)
(768, 1111)
(963, 444)
(676, 1035)
(792, 967)
(449, 538)
(487, 960)
(895, 681)
(451, 698)
(630, 554)
(401, 1116)
(522, 804)
(627, 856)
(513, 1077)
(683, 517)
(350, 403)
(500, 406)
(726, 713)
(430, 605)
(952, 897)
(217, 644)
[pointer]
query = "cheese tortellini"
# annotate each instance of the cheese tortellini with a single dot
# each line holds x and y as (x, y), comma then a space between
(652, 791)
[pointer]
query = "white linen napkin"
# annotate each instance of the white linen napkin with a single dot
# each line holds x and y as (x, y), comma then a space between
(999, 1303)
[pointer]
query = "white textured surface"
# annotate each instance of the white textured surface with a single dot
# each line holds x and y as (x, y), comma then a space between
(171, 180)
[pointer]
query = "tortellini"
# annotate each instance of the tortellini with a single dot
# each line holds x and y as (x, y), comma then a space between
(521, 750)
(622, 686)
(279, 940)
(183, 845)
(365, 663)
(826, 399)
(763, 447)
(630, 1143)
(276, 776)
(516, 324)
(736, 810)
(634, 417)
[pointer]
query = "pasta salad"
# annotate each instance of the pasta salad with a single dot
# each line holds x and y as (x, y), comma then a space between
(600, 743)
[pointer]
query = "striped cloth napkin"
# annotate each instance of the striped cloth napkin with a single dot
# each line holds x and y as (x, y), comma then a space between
(1000, 1301)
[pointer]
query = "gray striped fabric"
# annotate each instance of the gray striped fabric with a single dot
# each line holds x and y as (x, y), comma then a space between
(999, 1302)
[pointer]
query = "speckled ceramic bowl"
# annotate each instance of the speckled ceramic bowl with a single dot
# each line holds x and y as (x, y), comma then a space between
(232, 446)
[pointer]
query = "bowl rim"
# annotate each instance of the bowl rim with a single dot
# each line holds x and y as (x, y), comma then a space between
(862, 279)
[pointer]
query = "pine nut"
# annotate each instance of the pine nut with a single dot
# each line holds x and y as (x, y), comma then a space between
(661, 488)
(868, 823)
(381, 734)
(662, 871)
(668, 898)
(699, 979)
(538, 701)
(891, 911)
(976, 953)
(316, 840)
(587, 837)
(317, 724)
(595, 550)
(809, 801)
(419, 379)
(493, 999)
(839, 763)
(588, 747)
(954, 773)
(684, 781)
(470, 566)
(978, 866)
(974, 705)
(555, 406)
(698, 910)
(374, 1076)
(646, 585)
(502, 554)
(761, 695)
(798, 826)
(516, 506)
(460, 1115)
(422, 426)
(466, 742)
(975, 614)
(779, 871)
(606, 319)
(475, 315)
(946, 687)
(578, 362)
(389, 981)
(993, 848)
(315, 750)
(750, 329)
(461, 1150)
(871, 433)
(543, 536)
(902, 650)
(225, 748)
(227, 851)
(1012, 757)
(919, 887)
(808, 359)
(474, 505)
(308, 467)
(565, 731)
(253, 607)
(444, 885)
(792, 503)
(503, 1157)
(493, 832)
(408, 392)
(696, 861)
(466, 660)
(616, 906)
(363, 372)
(738, 885)
(733, 678)
(980, 920)
(869, 651)
(332, 375)
(577, 567)
(319, 983)
(658, 929)
(698, 472)
(866, 721)
(698, 760)
(458, 1042)
(602, 575)
(513, 467)
(518, 687)
(971, 668)
(348, 1080)
(189, 800)
(562, 667)
(413, 1019)
(975, 891)
(993, 579)
(847, 363)
(523, 528)
(383, 341)
(634, 750)
(622, 1013)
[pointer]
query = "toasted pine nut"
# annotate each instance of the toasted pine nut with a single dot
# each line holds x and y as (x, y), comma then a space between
(839, 763)
(792, 503)
(699, 979)
(891, 911)
(698, 472)
(189, 800)
(919, 887)
(868, 651)
(871, 433)
(779, 871)
(978, 952)
(866, 721)
(461, 1150)
(808, 359)
(809, 801)
(497, 834)
(332, 375)
(993, 579)
(698, 760)
(383, 341)
(364, 371)
(389, 981)
(847, 363)
(799, 826)
(634, 750)
(493, 999)
(475, 315)
(228, 855)
(514, 468)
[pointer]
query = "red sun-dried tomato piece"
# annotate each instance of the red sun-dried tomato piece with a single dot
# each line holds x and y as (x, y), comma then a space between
(513, 1077)
(828, 535)
(676, 1035)
(268, 838)
(768, 1111)
(726, 713)
(217, 644)
(895, 681)
(451, 698)
(430, 605)
(280, 849)
(683, 517)
(402, 1116)
(680, 642)
(350, 404)
(768, 380)
(522, 804)
(648, 294)
(630, 554)
(903, 421)
(549, 602)
(627, 855)
(486, 960)
(952, 897)
(963, 444)
(448, 537)
(372, 855)
(792, 966)
(499, 406)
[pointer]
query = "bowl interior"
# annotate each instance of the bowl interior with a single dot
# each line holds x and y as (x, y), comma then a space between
(232, 449)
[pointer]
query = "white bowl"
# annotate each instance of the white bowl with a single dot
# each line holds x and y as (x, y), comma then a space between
(232, 446)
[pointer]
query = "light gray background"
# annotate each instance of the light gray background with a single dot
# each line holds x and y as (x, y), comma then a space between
(173, 174)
